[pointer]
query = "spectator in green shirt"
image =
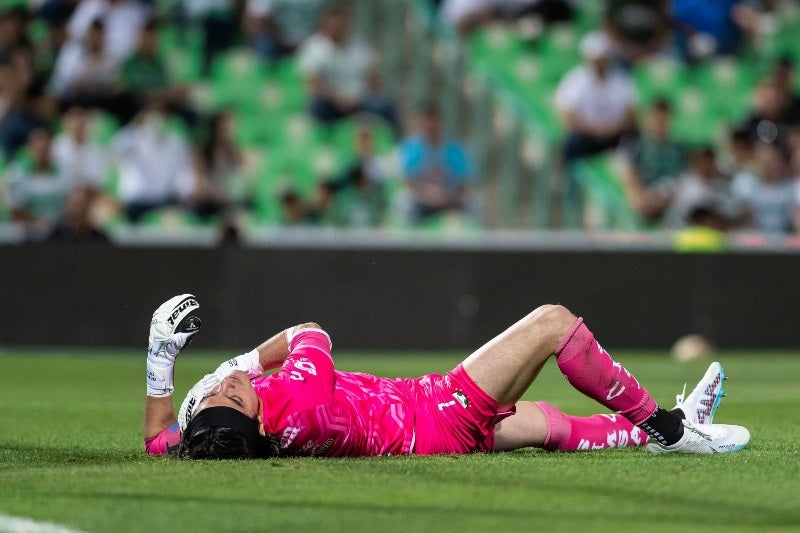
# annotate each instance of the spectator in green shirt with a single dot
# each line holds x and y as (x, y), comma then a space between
(654, 161)
(144, 75)
(360, 202)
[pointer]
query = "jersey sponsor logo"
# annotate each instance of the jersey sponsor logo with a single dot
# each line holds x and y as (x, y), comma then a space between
(190, 407)
(444, 405)
(461, 398)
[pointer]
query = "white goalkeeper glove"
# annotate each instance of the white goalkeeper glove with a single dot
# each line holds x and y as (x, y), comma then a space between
(171, 329)
(248, 363)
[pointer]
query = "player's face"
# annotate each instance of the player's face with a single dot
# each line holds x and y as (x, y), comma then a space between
(234, 391)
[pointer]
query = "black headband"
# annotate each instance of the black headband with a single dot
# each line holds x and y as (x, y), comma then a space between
(237, 421)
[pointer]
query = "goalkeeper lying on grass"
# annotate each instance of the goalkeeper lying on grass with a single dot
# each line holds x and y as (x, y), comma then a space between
(309, 409)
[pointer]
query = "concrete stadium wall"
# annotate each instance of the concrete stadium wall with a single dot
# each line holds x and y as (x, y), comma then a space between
(383, 299)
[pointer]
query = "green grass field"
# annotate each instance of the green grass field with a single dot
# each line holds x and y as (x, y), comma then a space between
(71, 453)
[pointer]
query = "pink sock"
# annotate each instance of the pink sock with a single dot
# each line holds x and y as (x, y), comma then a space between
(591, 370)
(571, 433)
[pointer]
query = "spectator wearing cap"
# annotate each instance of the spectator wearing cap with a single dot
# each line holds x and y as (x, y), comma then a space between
(596, 101)
(596, 104)
(653, 163)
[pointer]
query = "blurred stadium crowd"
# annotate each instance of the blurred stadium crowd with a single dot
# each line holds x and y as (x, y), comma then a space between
(235, 114)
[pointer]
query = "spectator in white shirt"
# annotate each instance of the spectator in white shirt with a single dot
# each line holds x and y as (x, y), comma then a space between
(122, 18)
(83, 161)
(704, 186)
(154, 165)
(596, 101)
(768, 193)
(85, 74)
(37, 188)
(340, 73)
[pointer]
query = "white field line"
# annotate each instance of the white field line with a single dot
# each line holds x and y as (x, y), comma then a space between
(16, 524)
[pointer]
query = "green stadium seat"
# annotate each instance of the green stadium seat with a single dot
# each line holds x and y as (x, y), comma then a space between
(697, 120)
(600, 177)
(659, 78)
(237, 78)
(103, 127)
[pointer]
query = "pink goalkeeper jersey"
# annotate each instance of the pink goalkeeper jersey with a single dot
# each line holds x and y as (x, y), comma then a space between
(317, 410)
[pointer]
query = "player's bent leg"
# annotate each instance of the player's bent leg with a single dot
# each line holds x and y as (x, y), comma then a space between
(506, 366)
(543, 425)
(526, 428)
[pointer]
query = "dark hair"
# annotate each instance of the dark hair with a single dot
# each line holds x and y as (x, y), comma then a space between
(219, 442)
(701, 213)
(782, 149)
(152, 24)
(786, 61)
(705, 151)
(741, 136)
(429, 109)
(289, 197)
(662, 104)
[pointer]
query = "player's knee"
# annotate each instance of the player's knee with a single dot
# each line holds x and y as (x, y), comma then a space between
(553, 320)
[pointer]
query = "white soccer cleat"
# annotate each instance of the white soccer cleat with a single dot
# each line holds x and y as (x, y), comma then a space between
(171, 329)
(705, 438)
(701, 405)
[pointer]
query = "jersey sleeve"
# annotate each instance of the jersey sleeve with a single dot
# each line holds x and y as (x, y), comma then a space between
(307, 374)
(166, 442)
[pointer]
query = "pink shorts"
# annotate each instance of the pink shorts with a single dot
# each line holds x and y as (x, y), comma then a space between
(454, 415)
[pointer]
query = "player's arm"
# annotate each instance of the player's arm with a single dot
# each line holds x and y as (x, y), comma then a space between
(159, 413)
(269, 355)
(171, 329)
(274, 351)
